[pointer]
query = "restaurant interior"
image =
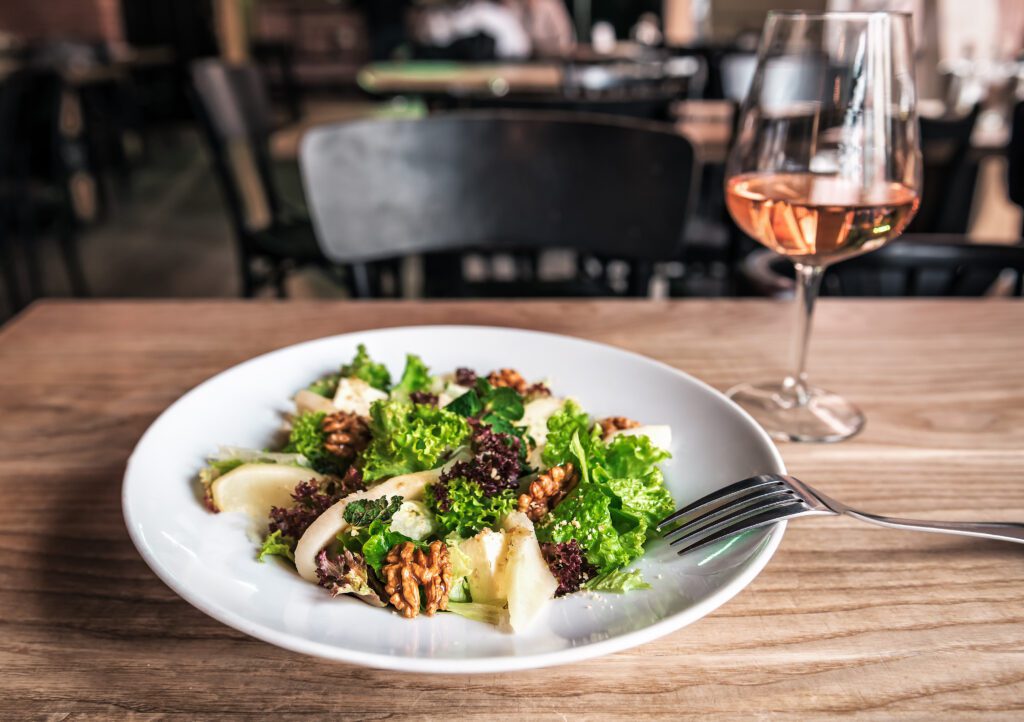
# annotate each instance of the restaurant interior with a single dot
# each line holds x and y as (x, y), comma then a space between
(514, 148)
(343, 341)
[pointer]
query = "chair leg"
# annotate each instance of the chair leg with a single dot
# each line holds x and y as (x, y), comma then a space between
(246, 275)
(7, 268)
(68, 241)
(31, 255)
(280, 277)
(361, 281)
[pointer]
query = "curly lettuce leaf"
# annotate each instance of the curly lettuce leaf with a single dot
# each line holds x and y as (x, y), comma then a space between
(629, 470)
(618, 581)
(363, 367)
(307, 438)
(468, 510)
(276, 544)
(410, 437)
(609, 517)
(567, 422)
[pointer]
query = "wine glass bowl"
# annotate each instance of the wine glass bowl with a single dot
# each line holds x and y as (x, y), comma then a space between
(826, 165)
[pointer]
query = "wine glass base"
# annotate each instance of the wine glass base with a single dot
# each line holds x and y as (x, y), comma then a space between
(825, 417)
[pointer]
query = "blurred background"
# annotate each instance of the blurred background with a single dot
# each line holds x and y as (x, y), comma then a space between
(151, 148)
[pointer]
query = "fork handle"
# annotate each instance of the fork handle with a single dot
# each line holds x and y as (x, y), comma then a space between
(1002, 531)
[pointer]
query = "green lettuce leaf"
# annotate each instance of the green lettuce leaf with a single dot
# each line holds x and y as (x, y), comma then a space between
(619, 581)
(567, 422)
(629, 470)
(410, 437)
(373, 542)
(608, 516)
(415, 377)
(277, 545)
(469, 509)
(307, 438)
(363, 367)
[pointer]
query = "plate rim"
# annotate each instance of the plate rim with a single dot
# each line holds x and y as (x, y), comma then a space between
(476, 665)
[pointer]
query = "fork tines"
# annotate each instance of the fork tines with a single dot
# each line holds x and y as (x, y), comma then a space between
(739, 507)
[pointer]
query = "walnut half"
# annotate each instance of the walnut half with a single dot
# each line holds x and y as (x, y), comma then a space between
(547, 490)
(347, 434)
(616, 423)
(407, 569)
(507, 377)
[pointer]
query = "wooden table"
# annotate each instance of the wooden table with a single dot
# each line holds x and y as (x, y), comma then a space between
(845, 619)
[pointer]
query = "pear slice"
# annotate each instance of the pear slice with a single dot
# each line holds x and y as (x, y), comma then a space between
(254, 488)
(488, 555)
(331, 523)
(530, 583)
(306, 401)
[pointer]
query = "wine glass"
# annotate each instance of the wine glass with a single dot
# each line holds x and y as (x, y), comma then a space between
(826, 166)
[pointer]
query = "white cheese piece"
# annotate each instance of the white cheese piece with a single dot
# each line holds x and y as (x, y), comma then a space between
(355, 396)
(659, 434)
(414, 520)
(487, 553)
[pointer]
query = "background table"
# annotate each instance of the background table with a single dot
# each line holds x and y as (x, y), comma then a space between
(448, 77)
(846, 619)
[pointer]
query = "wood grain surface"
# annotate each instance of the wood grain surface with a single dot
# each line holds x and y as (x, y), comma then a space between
(846, 620)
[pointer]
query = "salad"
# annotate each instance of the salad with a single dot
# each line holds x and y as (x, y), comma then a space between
(483, 496)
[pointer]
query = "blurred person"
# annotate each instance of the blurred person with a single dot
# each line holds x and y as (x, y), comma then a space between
(441, 25)
(548, 25)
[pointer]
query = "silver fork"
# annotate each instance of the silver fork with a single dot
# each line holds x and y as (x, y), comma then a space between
(769, 498)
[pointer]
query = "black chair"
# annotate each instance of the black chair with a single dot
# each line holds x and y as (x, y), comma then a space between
(608, 188)
(231, 104)
(42, 162)
(949, 175)
(921, 265)
(647, 107)
(1015, 158)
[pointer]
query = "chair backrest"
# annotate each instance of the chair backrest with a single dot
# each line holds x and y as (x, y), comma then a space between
(497, 181)
(650, 107)
(927, 266)
(924, 265)
(232, 107)
(1015, 156)
(30, 138)
(949, 178)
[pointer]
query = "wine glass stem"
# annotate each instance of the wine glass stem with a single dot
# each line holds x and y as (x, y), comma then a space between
(808, 282)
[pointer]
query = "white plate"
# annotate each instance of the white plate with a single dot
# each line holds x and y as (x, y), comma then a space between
(210, 559)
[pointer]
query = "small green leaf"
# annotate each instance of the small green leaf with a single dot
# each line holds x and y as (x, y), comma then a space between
(363, 512)
(277, 545)
(467, 405)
